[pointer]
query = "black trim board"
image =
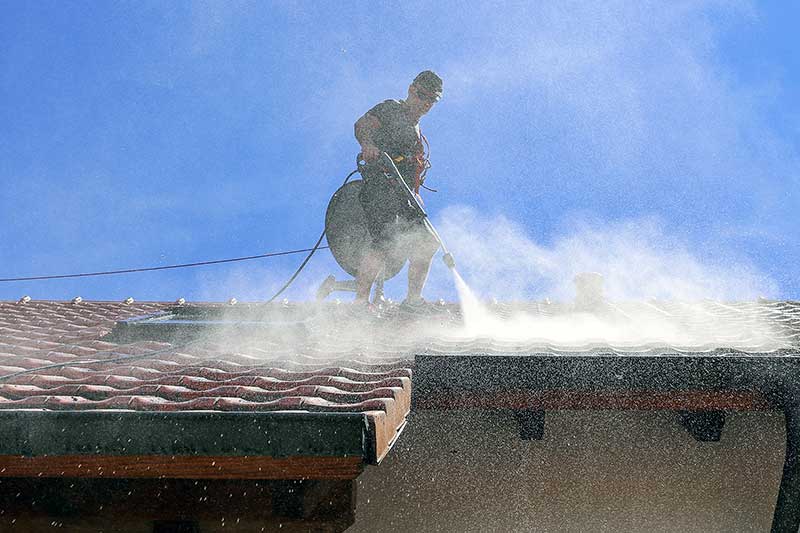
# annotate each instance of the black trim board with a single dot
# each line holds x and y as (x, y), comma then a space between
(443, 374)
(36, 433)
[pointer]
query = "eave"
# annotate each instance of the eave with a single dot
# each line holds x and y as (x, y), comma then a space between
(192, 444)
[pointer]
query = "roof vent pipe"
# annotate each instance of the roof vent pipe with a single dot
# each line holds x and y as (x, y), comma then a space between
(588, 291)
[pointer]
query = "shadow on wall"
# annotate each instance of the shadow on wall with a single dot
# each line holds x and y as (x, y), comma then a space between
(594, 471)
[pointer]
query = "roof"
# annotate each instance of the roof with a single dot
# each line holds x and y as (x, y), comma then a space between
(318, 380)
(214, 396)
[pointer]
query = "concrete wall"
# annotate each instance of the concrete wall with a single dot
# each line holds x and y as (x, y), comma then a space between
(609, 471)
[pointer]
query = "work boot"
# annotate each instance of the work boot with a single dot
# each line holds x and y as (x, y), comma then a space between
(361, 310)
(416, 305)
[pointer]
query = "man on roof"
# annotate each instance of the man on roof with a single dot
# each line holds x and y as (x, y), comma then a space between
(393, 127)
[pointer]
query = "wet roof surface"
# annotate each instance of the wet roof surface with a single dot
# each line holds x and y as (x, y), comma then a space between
(320, 359)
(52, 356)
(57, 357)
(331, 357)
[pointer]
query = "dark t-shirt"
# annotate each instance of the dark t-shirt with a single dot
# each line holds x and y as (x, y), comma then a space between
(388, 212)
(398, 134)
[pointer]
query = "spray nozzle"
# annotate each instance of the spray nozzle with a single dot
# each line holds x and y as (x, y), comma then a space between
(449, 260)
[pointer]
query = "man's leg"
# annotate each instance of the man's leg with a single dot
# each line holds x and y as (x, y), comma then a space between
(371, 264)
(375, 199)
(420, 264)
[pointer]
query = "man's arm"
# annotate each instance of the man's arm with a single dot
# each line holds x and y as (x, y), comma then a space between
(364, 128)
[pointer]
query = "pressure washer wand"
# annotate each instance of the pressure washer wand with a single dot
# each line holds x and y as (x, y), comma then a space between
(448, 258)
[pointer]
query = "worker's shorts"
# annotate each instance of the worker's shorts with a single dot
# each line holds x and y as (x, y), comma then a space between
(392, 223)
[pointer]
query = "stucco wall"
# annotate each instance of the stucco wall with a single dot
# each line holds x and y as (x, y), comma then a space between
(617, 471)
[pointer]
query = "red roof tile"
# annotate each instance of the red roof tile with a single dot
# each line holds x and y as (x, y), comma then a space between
(53, 358)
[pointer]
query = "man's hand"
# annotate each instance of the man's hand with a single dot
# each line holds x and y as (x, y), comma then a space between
(364, 129)
(370, 153)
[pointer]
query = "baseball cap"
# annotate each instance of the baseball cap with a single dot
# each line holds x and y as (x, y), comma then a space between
(430, 83)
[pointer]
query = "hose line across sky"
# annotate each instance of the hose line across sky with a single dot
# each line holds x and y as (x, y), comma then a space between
(166, 267)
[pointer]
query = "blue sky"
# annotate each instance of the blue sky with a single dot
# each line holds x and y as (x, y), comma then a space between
(606, 136)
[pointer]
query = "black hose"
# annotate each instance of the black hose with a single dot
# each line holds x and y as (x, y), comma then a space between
(311, 253)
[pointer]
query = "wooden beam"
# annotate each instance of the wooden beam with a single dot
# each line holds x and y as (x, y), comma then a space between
(180, 467)
(173, 505)
(704, 426)
(531, 424)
